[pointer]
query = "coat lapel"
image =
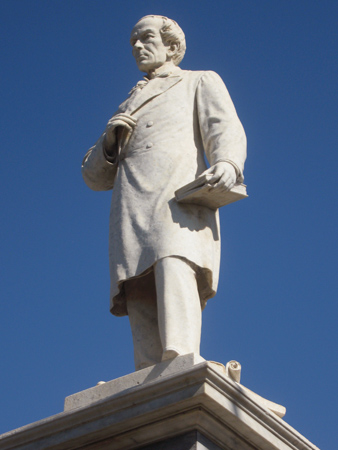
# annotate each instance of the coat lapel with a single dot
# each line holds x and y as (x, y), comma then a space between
(154, 88)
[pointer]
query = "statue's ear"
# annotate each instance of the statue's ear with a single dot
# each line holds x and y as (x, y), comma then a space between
(173, 49)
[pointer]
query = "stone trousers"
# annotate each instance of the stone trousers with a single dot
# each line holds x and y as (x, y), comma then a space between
(164, 312)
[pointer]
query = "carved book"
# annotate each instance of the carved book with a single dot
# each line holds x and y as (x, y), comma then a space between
(201, 192)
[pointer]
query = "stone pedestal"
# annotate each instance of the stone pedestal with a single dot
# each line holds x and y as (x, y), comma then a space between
(182, 404)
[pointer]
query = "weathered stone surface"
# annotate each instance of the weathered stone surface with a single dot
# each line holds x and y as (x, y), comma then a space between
(198, 398)
(156, 142)
(189, 441)
(132, 381)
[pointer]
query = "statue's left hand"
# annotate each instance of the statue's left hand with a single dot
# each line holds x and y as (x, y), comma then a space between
(223, 176)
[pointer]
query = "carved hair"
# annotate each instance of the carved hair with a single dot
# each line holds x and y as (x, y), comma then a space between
(172, 33)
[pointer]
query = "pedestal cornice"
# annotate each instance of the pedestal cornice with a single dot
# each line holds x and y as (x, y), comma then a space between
(198, 397)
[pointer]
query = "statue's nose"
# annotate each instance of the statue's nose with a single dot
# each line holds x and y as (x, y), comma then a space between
(138, 44)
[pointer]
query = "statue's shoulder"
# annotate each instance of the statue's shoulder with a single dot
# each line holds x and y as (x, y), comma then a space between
(206, 75)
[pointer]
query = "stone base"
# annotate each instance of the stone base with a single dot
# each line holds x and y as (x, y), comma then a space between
(189, 441)
(182, 404)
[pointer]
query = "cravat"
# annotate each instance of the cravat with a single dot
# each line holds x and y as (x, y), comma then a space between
(142, 83)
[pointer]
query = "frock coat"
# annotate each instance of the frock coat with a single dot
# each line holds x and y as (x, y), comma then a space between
(180, 119)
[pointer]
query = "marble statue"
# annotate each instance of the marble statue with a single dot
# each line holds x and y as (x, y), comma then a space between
(165, 256)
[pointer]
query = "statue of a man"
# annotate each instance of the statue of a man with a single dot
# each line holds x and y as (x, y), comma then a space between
(164, 255)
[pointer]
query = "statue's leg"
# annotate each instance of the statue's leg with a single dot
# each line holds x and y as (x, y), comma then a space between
(179, 308)
(142, 312)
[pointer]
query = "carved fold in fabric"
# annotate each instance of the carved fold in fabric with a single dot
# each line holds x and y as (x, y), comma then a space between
(136, 240)
(142, 83)
(139, 85)
(110, 155)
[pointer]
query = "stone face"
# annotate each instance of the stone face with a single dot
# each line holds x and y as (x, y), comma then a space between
(165, 408)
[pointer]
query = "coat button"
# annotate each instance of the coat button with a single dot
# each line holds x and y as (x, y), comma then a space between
(150, 123)
(149, 145)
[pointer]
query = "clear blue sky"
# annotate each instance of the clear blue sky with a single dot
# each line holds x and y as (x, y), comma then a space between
(65, 68)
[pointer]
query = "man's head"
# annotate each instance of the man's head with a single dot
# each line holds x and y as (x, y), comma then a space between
(155, 41)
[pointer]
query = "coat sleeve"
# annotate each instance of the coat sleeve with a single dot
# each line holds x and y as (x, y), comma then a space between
(222, 133)
(98, 173)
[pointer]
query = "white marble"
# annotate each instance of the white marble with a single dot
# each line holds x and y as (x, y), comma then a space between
(133, 380)
(154, 144)
(157, 404)
(233, 370)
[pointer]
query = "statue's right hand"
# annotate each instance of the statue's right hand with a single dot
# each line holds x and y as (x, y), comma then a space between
(119, 120)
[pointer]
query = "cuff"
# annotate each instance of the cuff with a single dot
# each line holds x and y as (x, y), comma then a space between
(109, 154)
(238, 172)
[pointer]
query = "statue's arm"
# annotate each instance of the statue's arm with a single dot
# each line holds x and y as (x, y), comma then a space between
(222, 133)
(98, 166)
